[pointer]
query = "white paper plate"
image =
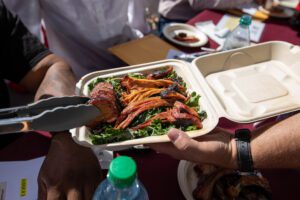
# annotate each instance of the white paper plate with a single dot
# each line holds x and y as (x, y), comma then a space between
(172, 29)
(187, 178)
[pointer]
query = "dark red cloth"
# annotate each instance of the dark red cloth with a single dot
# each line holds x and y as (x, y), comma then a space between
(275, 29)
(159, 172)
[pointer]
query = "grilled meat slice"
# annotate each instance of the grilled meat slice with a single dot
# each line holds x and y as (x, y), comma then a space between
(186, 119)
(134, 106)
(160, 74)
(163, 116)
(132, 83)
(168, 94)
(122, 124)
(103, 97)
(176, 115)
(183, 108)
(220, 183)
(204, 191)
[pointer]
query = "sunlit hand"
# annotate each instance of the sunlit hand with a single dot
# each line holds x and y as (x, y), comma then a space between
(216, 148)
(69, 171)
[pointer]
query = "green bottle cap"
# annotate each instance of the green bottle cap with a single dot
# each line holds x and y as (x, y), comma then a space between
(122, 171)
(245, 20)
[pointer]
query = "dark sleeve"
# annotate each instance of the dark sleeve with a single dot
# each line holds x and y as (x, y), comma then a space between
(20, 50)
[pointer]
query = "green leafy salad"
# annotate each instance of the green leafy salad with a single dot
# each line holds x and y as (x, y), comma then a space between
(108, 133)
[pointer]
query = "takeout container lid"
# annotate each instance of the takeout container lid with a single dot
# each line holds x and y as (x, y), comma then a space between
(243, 85)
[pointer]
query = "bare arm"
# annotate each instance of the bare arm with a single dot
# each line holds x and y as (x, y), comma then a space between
(50, 77)
(276, 146)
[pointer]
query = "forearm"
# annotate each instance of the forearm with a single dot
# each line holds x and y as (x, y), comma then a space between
(58, 81)
(278, 146)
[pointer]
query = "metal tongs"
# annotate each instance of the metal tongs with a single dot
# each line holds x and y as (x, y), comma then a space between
(52, 114)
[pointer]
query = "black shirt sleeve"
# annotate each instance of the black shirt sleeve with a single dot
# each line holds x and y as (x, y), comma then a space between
(19, 49)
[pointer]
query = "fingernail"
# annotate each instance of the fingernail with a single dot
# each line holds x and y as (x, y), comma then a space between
(173, 135)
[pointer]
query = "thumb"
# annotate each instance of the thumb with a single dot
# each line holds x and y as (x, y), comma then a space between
(181, 140)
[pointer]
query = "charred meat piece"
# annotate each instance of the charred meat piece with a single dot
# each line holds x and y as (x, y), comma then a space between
(183, 37)
(176, 115)
(104, 98)
(163, 116)
(129, 116)
(186, 119)
(204, 191)
(185, 109)
(160, 74)
(134, 106)
(132, 83)
(169, 94)
(139, 94)
(220, 183)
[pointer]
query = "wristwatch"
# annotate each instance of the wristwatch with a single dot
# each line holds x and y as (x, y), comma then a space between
(244, 157)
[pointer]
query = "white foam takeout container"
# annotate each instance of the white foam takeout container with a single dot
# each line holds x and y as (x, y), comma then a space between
(243, 85)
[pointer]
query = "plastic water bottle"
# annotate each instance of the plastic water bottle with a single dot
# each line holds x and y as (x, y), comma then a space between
(240, 36)
(121, 182)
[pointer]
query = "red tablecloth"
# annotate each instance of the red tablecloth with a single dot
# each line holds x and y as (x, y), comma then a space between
(156, 171)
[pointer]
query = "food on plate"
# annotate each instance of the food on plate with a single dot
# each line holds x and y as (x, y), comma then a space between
(104, 98)
(184, 37)
(219, 183)
(143, 104)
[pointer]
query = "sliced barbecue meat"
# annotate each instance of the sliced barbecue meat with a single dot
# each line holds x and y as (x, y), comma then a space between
(104, 98)
(177, 88)
(168, 94)
(186, 119)
(220, 183)
(160, 74)
(177, 115)
(204, 190)
(134, 106)
(139, 109)
(139, 94)
(183, 108)
(132, 83)
(163, 116)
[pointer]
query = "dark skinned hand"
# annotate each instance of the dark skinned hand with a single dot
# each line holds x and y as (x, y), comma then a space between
(69, 171)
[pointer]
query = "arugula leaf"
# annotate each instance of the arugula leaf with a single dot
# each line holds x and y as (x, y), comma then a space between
(137, 75)
(156, 128)
(148, 114)
(189, 128)
(94, 83)
(193, 100)
(174, 77)
(115, 82)
(108, 134)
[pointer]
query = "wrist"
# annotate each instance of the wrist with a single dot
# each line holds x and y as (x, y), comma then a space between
(243, 150)
(233, 163)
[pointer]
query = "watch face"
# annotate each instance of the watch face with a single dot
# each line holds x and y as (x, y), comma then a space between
(243, 134)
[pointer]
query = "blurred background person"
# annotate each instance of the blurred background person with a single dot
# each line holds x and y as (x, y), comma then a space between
(70, 171)
(183, 10)
(80, 31)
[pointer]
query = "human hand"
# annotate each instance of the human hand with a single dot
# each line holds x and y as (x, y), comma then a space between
(69, 171)
(216, 148)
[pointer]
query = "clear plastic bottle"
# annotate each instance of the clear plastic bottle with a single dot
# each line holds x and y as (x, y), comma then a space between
(121, 182)
(240, 36)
